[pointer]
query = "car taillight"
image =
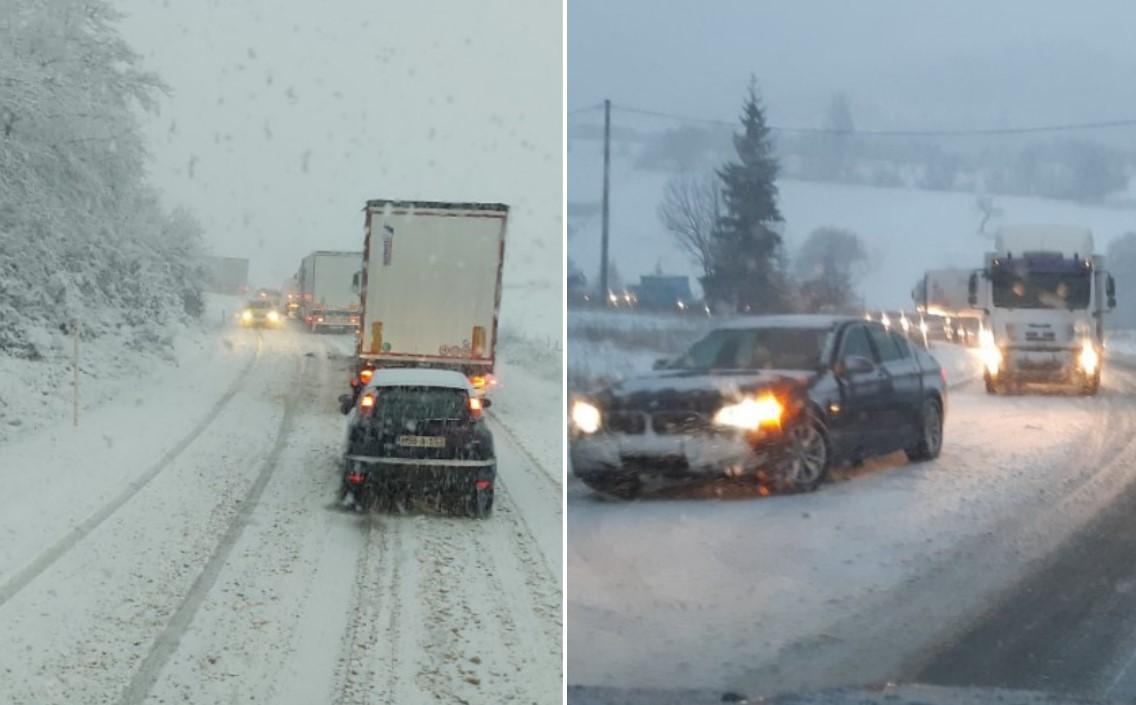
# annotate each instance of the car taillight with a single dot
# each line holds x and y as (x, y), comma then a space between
(366, 374)
(475, 406)
(367, 404)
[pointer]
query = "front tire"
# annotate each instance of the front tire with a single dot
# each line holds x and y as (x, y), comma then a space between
(930, 434)
(809, 456)
(1091, 386)
(991, 385)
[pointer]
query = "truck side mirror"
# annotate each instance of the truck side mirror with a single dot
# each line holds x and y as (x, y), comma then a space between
(1110, 290)
(972, 289)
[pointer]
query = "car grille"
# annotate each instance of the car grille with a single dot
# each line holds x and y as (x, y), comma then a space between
(663, 423)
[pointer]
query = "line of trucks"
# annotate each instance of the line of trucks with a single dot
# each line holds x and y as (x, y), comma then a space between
(1039, 302)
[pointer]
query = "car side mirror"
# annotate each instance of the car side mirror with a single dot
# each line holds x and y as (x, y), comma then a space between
(486, 403)
(972, 289)
(661, 363)
(856, 365)
(346, 401)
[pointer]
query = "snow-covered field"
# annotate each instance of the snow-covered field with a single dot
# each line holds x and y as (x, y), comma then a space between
(907, 231)
(848, 585)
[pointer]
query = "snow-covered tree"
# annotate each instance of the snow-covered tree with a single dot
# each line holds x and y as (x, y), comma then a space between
(82, 235)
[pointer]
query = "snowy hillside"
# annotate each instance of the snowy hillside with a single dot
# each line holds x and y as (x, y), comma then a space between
(906, 230)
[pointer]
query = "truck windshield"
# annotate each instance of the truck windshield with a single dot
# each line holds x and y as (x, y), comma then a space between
(1022, 287)
(756, 349)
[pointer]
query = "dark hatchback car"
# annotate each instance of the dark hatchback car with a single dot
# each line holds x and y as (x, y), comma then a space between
(778, 400)
(418, 434)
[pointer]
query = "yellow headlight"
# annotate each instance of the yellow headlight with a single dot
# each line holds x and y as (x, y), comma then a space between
(751, 414)
(586, 417)
(1089, 358)
(273, 317)
(246, 316)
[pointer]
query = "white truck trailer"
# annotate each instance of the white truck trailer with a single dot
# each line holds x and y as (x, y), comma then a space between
(1042, 294)
(431, 287)
(329, 299)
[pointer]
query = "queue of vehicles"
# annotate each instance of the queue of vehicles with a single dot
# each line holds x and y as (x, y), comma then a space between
(423, 299)
(781, 400)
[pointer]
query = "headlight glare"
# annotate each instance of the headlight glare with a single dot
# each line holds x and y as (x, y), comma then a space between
(586, 417)
(1089, 358)
(751, 414)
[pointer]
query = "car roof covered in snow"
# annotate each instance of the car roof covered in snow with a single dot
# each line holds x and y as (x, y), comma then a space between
(420, 377)
(810, 321)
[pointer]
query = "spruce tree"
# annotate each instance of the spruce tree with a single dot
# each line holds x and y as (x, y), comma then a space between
(746, 274)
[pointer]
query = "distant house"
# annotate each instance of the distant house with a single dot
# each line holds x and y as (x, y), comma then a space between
(663, 291)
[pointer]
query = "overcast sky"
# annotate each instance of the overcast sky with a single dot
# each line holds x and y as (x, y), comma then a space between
(284, 117)
(904, 64)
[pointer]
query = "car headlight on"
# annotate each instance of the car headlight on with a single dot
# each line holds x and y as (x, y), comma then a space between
(586, 417)
(273, 317)
(751, 414)
(1089, 358)
(246, 316)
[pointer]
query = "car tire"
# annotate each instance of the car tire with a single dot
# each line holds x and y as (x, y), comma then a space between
(930, 433)
(479, 503)
(808, 456)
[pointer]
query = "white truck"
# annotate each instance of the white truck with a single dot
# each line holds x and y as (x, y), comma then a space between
(431, 287)
(329, 299)
(1042, 295)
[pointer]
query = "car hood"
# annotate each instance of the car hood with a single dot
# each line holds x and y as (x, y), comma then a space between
(907, 694)
(695, 390)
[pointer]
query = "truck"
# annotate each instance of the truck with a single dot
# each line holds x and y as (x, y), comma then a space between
(329, 298)
(431, 288)
(226, 275)
(1042, 297)
(942, 299)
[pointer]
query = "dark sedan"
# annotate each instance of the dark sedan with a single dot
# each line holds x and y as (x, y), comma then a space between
(777, 400)
(418, 434)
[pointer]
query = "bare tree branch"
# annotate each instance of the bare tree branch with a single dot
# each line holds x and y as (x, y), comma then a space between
(690, 211)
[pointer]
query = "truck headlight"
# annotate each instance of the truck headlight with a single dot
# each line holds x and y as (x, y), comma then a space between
(273, 317)
(1089, 359)
(989, 352)
(751, 414)
(586, 417)
(246, 316)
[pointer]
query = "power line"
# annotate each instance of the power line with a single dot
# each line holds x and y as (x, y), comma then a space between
(963, 132)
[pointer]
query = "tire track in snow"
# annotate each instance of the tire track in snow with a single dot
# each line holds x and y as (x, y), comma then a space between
(536, 469)
(167, 641)
(60, 548)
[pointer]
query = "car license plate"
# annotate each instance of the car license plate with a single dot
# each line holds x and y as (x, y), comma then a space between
(422, 441)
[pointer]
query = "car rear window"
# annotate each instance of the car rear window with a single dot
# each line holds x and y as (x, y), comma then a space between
(414, 403)
(885, 344)
(902, 345)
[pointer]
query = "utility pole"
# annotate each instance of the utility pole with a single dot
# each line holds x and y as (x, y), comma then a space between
(606, 189)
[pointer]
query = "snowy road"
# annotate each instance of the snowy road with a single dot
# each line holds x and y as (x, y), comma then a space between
(179, 547)
(876, 576)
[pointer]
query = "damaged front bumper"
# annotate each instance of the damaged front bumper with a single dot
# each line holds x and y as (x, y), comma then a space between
(674, 459)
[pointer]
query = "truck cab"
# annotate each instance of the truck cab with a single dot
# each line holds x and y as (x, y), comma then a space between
(1042, 294)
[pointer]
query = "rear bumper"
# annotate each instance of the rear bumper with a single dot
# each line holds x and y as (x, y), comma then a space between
(418, 474)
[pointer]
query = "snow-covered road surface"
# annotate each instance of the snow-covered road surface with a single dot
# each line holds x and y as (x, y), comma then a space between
(856, 583)
(180, 546)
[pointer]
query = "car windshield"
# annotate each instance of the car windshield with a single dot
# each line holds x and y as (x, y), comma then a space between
(409, 404)
(1019, 286)
(756, 349)
(257, 304)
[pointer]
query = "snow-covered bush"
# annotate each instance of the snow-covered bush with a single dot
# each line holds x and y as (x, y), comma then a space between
(82, 235)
